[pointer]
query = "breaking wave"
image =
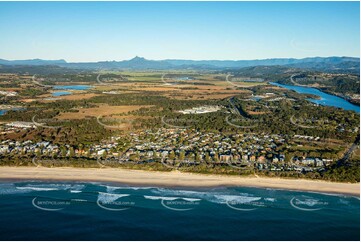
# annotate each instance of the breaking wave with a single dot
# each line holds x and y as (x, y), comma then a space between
(110, 197)
(171, 198)
(111, 189)
(51, 187)
(212, 196)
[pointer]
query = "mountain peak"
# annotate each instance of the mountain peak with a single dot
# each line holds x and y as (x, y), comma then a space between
(137, 58)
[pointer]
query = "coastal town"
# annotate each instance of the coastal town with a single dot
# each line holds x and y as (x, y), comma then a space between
(176, 148)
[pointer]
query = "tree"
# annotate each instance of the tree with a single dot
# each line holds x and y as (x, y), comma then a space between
(63, 151)
(171, 155)
(216, 157)
(71, 152)
(182, 155)
(207, 157)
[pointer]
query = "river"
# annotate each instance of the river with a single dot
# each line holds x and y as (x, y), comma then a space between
(325, 99)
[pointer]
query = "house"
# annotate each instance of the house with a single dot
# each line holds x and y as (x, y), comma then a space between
(101, 152)
(275, 159)
(261, 159)
(308, 161)
(225, 157)
(282, 157)
(18, 124)
(318, 162)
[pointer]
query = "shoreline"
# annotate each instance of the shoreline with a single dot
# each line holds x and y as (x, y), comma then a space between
(172, 179)
(324, 91)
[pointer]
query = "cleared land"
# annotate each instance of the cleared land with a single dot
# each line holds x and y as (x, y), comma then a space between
(79, 96)
(101, 110)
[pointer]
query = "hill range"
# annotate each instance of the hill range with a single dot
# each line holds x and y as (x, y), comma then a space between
(333, 64)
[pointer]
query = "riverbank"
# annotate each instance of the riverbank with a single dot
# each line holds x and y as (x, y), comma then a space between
(344, 97)
(348, 99)
(172, 179)
(326, 99)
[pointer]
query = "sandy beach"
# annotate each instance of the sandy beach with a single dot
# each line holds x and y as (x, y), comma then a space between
(172, 179)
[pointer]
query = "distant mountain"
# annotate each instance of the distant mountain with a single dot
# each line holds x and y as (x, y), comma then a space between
(333, 67)
(267, 73)
(37, 69)
(346, 64)
(264, 62)
(135, 63)
(33, 62)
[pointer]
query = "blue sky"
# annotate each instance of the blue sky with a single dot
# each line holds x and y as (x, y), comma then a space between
(94, 31)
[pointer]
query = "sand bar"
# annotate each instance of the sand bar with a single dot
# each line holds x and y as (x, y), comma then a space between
(172, 179)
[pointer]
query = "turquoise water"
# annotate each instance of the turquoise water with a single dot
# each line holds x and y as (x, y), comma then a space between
(70, 87)
(3, 111)
(185, 78)
(326, 99)
(99, 211)
(61, 93)
(73, 87)
(256, 98)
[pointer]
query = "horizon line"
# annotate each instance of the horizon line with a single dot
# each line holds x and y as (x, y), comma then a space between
(343, 56)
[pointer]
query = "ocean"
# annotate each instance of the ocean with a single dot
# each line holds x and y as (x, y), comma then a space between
(34, 210)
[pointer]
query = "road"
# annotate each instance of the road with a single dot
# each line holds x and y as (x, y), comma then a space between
(239, 111)
(349, 152)
(295, 83)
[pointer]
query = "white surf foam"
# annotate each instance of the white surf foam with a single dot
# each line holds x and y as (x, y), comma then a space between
(308, 201)
(211, 196)
(36, 188)
(75, 191)
(114, 188)
(161, 198)
(235, 199)
(171, 198)
(51, 187)
(110, 197)
(8, 189)
(79, 200)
